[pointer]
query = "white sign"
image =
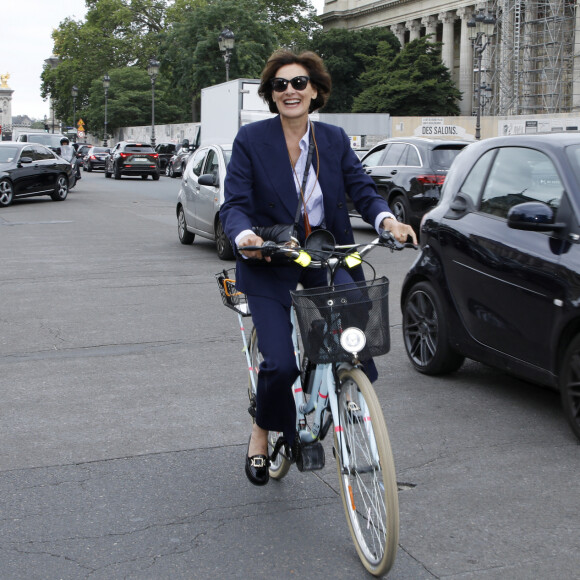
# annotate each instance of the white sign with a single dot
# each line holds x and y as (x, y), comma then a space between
(436, 127)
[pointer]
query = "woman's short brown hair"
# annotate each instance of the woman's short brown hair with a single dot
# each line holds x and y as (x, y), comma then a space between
(319, 77)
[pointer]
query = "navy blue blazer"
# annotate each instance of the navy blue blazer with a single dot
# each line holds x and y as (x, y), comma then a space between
(260, 191)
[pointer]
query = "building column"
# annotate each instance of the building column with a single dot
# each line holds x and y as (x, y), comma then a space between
(399, 31)
(448, 18)
(465, 62)
(430, 24)
(414, 27)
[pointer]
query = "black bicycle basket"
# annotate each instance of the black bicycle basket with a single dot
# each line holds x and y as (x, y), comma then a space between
(323, 314)
(231, 296)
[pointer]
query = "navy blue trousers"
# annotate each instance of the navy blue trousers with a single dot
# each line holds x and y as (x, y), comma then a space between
(275, 408)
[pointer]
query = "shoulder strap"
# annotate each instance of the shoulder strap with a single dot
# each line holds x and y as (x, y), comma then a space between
(306, 172)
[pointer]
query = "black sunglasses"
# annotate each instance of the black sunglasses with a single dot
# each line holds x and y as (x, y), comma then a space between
(298, 83)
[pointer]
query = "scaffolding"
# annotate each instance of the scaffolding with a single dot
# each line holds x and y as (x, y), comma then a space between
(531, 61)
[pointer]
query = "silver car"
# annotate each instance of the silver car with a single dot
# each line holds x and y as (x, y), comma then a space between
(200, 197)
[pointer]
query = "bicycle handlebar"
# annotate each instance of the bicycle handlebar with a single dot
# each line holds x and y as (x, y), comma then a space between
(304, 256)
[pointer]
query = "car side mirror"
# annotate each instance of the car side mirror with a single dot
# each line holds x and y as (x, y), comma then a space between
(209, 179)
(26, 160)
(533, 216)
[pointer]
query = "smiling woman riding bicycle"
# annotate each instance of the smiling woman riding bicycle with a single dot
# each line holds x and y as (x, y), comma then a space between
(289, 170)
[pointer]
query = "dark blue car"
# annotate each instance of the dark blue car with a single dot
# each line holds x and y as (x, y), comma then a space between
(498, 276)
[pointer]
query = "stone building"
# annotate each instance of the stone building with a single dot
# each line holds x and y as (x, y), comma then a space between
(530, 63)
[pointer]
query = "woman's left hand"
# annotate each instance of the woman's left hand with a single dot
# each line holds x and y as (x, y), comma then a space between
(401, 232)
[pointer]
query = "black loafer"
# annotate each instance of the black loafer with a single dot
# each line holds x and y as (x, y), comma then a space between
(257, 468)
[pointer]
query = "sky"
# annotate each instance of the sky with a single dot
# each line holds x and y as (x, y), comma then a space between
(25, 42)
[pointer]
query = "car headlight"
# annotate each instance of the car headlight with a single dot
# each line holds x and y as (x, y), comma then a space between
(353, 340)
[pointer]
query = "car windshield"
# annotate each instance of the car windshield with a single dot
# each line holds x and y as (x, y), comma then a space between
(100, 150)
(7, 154)
(442, 157)
(45, 139)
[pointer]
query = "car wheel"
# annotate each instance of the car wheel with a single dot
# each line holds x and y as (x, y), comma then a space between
(6, 193)
(400, 207)
(88, 168)
(167, 170)
(107, 173)
(224, 247)
(155, 176)
(144, 176)
(185, 237)
(570, 385)
(425, 332)
(60, 188)
(171, 172)
(117, 171)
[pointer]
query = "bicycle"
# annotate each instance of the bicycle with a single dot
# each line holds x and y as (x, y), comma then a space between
(334, 328)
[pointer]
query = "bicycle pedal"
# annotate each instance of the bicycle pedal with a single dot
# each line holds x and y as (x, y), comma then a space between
(252, 411)
(310, 457)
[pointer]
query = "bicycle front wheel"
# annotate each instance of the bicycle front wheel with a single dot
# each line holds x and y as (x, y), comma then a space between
(366, 472)
(281, 465)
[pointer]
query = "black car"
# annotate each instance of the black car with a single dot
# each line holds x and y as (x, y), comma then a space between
(165, 151)
(29, 169)
(95, 158)
(130, 158)
(81, 152)
(409, 173)
(177, 164)
(498, 276)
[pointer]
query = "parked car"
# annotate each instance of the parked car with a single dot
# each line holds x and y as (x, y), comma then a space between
(30, 169)
(200, 197)
(177, 163)
(95, 158)
(165, 151)
(409, 173)
(498, 277)
(130, 158)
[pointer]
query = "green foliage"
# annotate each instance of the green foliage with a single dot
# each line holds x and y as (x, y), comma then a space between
(342, 52)
(414, 82)
(129, 102)
(115, 33)
(189, 47)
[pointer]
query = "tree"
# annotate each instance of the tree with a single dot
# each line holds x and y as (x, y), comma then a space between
(116, 33)
(414, 82)
(342, 52)
(190, 49)
(129, 101)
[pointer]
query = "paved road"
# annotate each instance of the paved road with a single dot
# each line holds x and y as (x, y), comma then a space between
(123, 424)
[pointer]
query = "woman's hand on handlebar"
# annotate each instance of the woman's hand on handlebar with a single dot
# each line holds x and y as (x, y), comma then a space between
(401, 232)
(252, 241)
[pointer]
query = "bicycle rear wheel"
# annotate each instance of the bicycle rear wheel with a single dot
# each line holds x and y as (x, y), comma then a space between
(280, 466)
(368, 484)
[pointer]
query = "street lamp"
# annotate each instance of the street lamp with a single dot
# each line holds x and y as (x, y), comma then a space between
(479, 26)
(153, 70)
(106, 84)
(74, 92)
(226, 42)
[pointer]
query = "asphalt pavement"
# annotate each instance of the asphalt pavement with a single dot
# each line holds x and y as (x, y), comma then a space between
(123, 424)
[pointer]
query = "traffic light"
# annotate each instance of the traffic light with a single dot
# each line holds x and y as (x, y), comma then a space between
(46, 127)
